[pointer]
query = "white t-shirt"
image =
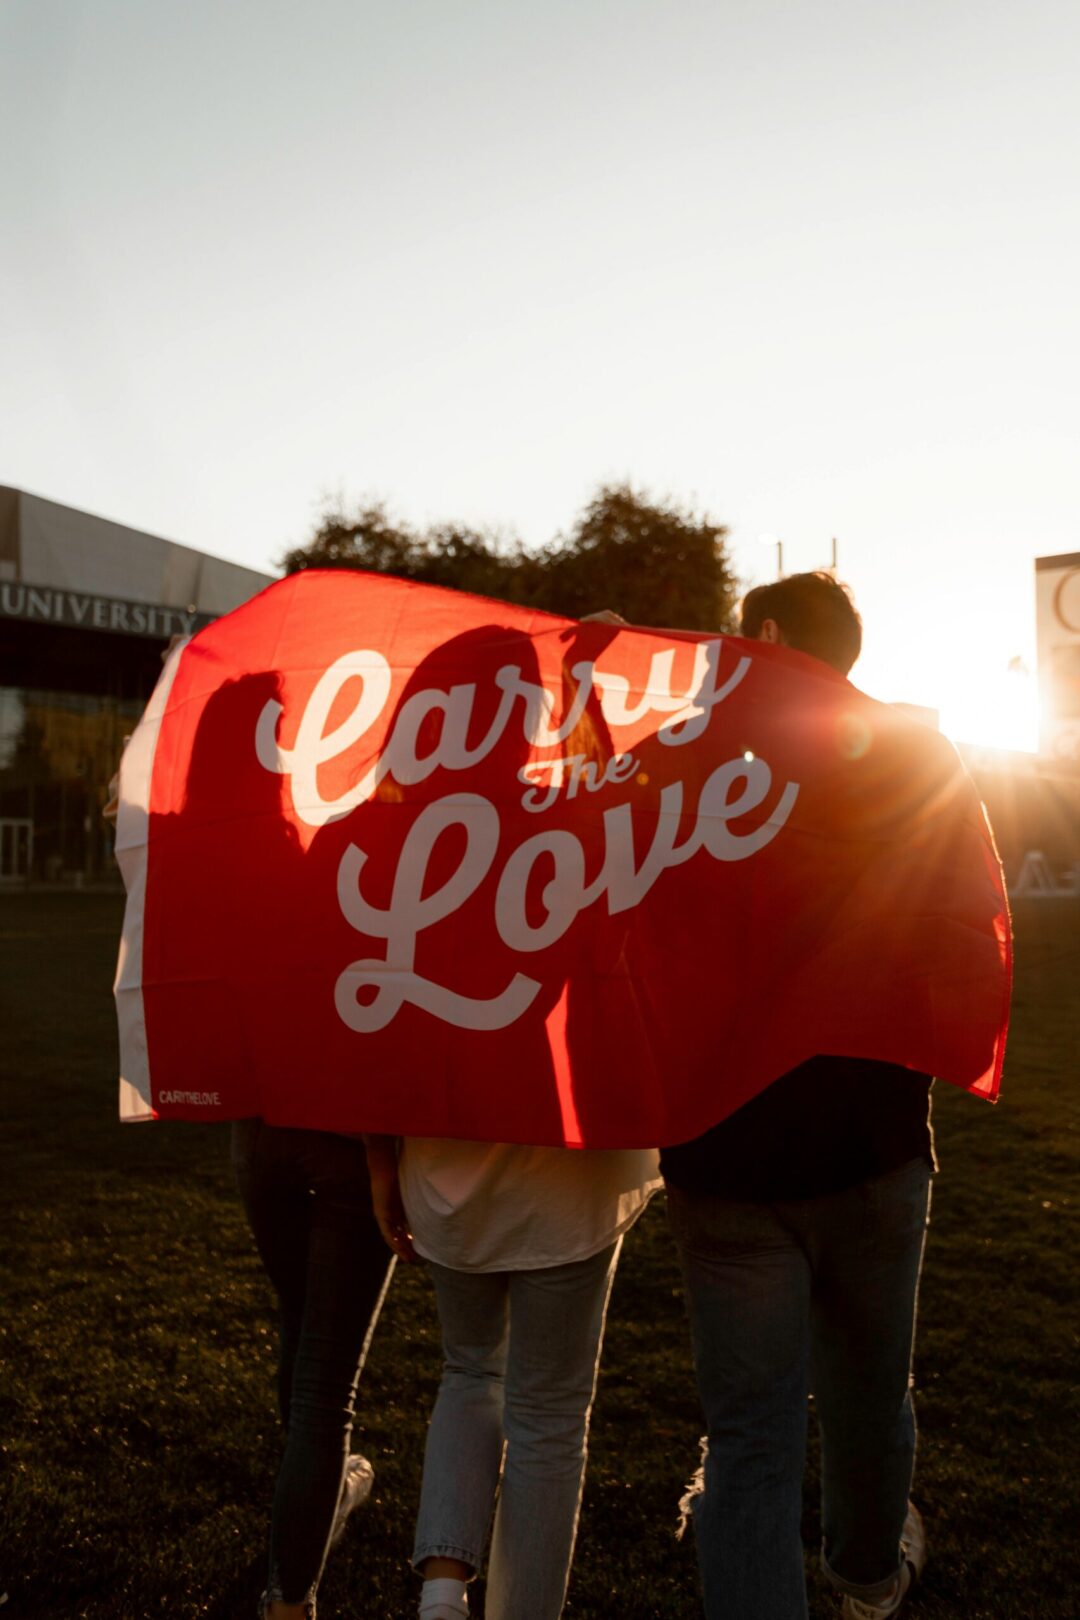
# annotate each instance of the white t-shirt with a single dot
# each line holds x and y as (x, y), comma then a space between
(492, 1206)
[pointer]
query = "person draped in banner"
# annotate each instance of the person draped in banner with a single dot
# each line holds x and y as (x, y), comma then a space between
(308, 1203)
(800, 1222)
(305, 1193)
(522, 1245)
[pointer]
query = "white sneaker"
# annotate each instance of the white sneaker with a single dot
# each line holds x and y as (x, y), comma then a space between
(355, 1490)
(913, 1552)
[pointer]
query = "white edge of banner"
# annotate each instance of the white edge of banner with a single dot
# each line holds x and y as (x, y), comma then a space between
(132, 843)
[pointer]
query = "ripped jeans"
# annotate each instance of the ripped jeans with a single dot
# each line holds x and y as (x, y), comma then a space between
(308, 1201)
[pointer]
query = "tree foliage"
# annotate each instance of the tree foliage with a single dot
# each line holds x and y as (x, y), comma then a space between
(655, 563)
(368, 541)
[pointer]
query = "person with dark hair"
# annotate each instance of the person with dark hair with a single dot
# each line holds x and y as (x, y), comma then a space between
(813, 613)
(800, 1222)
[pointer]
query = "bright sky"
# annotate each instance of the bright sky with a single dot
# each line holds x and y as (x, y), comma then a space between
(812, 266)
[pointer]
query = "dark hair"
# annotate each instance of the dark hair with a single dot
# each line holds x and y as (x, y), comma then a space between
(814, 612)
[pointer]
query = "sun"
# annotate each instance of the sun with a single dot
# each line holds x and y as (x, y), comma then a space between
(995, 709)
(979, 697)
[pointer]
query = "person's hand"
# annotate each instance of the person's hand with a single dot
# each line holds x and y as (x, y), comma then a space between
(111, 808)
(607, 616)
(386, 1201)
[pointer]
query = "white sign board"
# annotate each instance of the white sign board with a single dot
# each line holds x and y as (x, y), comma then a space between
(1057, 624)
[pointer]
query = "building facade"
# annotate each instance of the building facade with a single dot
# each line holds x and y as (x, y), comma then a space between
(87, 608)
(1057, 629)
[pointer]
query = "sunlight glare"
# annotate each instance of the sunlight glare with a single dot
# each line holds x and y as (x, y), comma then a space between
(996, 709)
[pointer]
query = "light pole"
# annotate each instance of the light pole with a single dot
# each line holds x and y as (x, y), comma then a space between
(774, 540)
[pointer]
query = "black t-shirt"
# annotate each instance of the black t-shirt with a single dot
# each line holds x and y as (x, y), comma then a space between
(820, 1128)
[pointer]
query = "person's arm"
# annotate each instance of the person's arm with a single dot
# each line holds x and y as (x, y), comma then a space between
(382, 1158)
(111, 808)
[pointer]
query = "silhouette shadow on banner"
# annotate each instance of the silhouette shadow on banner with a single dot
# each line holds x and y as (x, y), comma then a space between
(435, 849)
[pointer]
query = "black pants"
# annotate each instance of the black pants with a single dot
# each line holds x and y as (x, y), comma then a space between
(308, 1200)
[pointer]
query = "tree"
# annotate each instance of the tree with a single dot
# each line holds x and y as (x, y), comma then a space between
(469, 561)
(369, 541)
(655, 564)
(447, 554)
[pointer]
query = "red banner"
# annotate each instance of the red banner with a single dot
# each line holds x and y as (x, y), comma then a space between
(404, 860)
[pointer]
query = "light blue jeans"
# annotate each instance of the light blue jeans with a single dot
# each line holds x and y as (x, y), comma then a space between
(521, 1349)
(815, 1295)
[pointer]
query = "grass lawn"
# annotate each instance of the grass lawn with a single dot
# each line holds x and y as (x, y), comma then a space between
(137, 1424)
